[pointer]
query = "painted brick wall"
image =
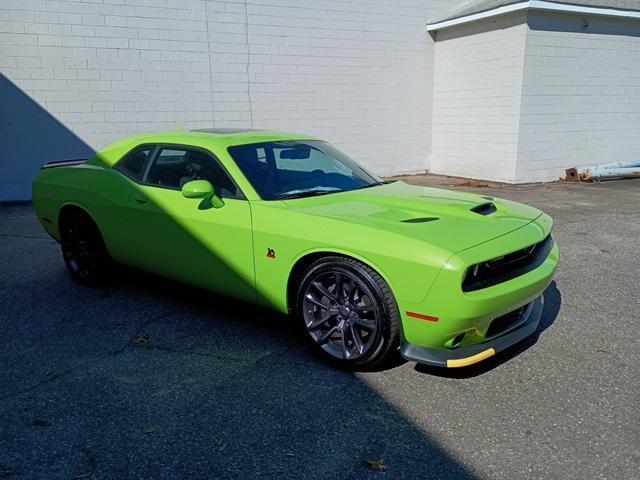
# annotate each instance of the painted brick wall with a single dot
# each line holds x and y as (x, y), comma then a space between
(355, 72)
(522, 98)
(581, 95)
(476, 101)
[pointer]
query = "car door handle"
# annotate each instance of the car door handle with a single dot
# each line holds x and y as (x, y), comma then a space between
(140, 200)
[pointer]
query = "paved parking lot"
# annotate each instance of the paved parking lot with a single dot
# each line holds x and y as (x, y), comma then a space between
(150, 379)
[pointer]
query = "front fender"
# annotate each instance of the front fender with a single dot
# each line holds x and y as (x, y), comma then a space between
(409, 267)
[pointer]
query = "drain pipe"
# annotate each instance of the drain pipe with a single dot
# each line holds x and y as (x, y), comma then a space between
(601, 172)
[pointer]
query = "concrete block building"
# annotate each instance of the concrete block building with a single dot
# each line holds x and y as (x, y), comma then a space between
(514, 91)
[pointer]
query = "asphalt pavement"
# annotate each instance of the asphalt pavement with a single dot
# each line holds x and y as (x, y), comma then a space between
(148, 378)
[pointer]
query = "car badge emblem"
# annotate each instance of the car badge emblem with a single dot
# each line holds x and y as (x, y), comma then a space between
(271, 253)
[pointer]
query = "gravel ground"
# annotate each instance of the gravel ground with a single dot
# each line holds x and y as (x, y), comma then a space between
(152, 379)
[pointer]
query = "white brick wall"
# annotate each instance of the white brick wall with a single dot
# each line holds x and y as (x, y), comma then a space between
(477, 94)
(355, 72)
(581, 95)
(522, 98)
(512, 99)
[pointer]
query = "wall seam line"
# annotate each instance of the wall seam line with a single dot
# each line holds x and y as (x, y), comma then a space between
(521, 100)
(248, 65)
(206, 20)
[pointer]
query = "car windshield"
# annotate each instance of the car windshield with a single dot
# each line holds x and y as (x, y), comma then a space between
(295, 169)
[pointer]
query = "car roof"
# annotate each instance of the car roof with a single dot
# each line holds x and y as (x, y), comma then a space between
(240, 136)
(226, 136)
(219, 138)
(226, 131)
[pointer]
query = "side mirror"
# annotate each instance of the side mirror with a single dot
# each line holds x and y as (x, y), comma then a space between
(197, 189)
(204, 190)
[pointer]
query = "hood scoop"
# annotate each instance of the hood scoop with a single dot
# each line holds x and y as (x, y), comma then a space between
(485, 208)
(420, 220)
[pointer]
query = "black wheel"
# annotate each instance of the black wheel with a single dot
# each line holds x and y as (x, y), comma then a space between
(349, 313)
(83, 249)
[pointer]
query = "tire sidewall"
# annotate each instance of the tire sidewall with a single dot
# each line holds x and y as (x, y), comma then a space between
(85, 224)
(337, 264)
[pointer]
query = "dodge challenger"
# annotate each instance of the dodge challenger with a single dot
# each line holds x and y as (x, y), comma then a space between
(370, 268)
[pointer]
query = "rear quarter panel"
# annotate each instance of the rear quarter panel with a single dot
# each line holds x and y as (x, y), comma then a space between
(100, 191)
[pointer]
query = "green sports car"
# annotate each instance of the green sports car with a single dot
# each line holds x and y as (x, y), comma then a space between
(371, 268)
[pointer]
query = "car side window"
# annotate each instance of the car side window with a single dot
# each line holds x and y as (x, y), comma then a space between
(135, 163)
(172, 167)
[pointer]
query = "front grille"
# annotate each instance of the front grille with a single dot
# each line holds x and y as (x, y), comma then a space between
(507, 267)
(505, 322)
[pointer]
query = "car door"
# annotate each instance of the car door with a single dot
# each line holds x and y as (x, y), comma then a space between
(188, 239)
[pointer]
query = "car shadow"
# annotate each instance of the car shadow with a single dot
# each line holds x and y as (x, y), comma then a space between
(552, 304)
(247, 315)
(150, 378)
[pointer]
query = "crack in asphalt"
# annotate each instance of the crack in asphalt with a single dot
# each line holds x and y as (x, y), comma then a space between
(57, 376)
(144, 323)
(34, 237)
(112, 353)
(217, 356)
(139, 330)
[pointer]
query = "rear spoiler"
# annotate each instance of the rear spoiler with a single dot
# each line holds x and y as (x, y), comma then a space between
(63, 163)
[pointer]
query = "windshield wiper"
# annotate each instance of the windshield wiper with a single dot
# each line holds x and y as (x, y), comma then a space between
(306, 193)
(323, 191)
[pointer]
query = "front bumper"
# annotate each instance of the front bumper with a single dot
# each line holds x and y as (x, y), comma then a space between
(468, 355)
(452, 324)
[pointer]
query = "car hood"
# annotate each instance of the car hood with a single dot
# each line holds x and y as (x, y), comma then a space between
(453, 221)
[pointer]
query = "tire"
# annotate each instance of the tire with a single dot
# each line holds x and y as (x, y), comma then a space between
(349, 313)
(83, 249)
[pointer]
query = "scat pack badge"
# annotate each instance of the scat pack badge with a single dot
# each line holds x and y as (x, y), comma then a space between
(271, 253)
